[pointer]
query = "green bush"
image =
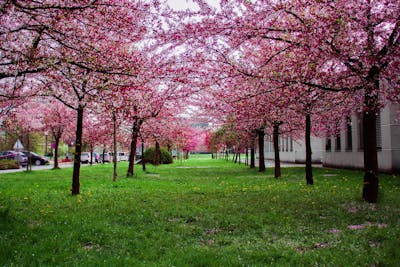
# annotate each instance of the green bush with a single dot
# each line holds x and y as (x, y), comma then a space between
(6, 164)
(166, 157)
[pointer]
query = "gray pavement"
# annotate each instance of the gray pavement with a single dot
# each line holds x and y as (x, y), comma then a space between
(41, 167)
(271, 163)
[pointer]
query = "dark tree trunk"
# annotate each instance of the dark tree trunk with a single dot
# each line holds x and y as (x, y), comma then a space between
(371, 183)
(143, 159)
(309, 175)
(57, 142)
(91, 155)
(115, 173)
(78, 150)
(157, 154)
(135, 135)
(104, 152)
(261, 165)
(276, 150)
(28, 147)
(247, 156)
(252, 155)
(370, 188)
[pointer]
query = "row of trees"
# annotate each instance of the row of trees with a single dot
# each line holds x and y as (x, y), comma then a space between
(297, 67)
(92, 67)
(268, 66)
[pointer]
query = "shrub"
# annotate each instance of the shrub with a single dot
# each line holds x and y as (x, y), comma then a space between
(166, 157)
(6, 164)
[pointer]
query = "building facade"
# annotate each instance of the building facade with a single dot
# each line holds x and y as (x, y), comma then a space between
(346, 149)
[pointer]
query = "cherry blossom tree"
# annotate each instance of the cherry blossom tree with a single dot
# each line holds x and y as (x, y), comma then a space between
(342, 46)
(57, 119)
(24, 122)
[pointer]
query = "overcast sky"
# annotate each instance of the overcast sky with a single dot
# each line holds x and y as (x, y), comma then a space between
(185, 4)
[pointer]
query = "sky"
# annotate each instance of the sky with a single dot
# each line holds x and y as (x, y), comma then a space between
(185, 4)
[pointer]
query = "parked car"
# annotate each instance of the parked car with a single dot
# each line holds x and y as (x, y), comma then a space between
(85, 157)
(123, 156)
(36, 159)
(107, 157)
(15, 155)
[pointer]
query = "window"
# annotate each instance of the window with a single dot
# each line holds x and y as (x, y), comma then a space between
(287, 143)
(279, 144)
(349, 137)
(328, 144)
(338, 144)
(291, 144)
(378, 131)
(360, 132)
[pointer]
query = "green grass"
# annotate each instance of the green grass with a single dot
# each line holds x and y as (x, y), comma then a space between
(201, 212)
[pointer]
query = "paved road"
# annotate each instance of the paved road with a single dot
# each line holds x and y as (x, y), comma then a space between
(41, 167)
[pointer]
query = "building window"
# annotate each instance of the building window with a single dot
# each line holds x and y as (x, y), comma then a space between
(328, 144)
(338, 144)
(291, 144)
(279, 144)
(287, 144)
(378, 131)
(360, 132)
(349, 137)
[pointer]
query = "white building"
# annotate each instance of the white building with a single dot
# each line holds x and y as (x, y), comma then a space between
(346, 149)
(294, 151)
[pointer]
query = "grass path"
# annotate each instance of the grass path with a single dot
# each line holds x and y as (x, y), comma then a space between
(201, 212)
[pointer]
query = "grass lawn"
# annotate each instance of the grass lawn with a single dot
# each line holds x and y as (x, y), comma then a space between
(201, 212)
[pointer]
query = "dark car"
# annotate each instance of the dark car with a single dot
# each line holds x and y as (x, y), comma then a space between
(14, 155)
(36, 159)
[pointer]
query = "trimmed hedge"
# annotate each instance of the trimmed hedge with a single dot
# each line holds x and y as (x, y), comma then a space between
(166, 157)
(6, 164)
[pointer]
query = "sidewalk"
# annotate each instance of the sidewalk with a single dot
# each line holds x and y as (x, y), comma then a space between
(271, 163)
(41, 167)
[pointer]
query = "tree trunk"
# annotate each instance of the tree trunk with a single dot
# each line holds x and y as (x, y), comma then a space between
(371, 183)
(78, 150)
(115, 174)
(28, 147)
(309, 176)
(252, 155)
(370, 188)
(157, 154)
(143, 159)
(247, 156)
(276, 150)
(261, 165)
(57, 142)
(104, 152)
(91, 155)
(135, 135)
